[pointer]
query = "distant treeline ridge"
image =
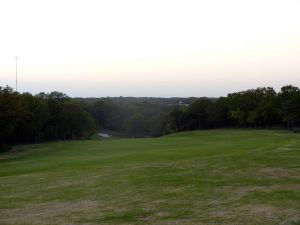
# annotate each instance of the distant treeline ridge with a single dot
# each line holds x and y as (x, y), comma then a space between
(27, 118)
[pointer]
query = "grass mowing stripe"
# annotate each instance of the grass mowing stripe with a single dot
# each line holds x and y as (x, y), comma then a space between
(198, 177)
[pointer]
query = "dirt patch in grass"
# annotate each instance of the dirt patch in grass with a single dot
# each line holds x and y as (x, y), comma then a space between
(238, 192)
(255, 214)
(274, 172)
(260, 212)
(48, 213)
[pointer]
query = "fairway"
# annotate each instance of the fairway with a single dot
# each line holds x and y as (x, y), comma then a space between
(201, 177)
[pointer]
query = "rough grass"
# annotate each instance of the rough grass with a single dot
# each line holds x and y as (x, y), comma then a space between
(210, 177)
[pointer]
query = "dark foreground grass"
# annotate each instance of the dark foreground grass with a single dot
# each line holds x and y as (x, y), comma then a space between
(210, 177)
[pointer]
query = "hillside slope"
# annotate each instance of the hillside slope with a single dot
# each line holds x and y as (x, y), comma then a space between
(219, 176)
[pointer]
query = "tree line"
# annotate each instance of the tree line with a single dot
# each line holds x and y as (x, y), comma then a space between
(255, 108)
(27, 118)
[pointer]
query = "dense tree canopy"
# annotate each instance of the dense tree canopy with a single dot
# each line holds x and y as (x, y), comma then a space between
(261, 107)
(26, 118)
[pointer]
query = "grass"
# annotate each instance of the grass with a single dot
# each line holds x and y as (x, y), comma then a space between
(208, 177)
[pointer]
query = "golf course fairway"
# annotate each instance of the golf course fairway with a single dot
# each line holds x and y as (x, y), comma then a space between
(200, 177)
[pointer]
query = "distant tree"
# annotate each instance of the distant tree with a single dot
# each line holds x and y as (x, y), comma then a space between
(26, 118)
(10, 110)
(222, 118)
(100, 111)
(34, 117)
(201, 113)
(137, 125)
(255, 107)
(177, 120)
(289, 98)
(76, 122)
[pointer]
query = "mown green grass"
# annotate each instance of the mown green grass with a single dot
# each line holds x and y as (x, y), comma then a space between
(207, 177)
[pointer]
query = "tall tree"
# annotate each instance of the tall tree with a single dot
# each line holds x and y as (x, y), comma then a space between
(289, 98)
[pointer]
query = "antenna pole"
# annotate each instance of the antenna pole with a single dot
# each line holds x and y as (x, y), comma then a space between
(16, 74)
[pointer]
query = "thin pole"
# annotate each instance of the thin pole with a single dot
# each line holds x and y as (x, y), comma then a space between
(16, 74)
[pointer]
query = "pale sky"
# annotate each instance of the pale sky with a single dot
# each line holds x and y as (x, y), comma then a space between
(149, 48)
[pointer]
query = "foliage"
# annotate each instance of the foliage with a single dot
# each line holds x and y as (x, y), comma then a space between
(289, 100)
(132, 118)
(261, 107)
(25, 118)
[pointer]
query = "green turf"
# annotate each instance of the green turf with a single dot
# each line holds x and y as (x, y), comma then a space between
(207, 177)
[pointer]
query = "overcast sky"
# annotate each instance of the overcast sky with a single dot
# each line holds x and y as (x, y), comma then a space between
(149, 48)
